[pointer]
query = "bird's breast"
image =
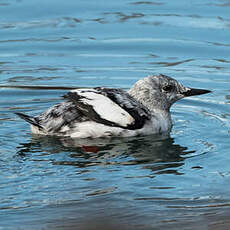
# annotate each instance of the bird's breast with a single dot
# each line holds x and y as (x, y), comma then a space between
(161, 123)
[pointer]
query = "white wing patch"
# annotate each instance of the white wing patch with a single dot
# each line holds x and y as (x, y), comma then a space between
(105, 107)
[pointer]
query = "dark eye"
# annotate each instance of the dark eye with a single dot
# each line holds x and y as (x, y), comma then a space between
(168, 88)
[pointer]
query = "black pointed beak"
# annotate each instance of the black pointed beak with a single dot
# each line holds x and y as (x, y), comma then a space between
(194, 92)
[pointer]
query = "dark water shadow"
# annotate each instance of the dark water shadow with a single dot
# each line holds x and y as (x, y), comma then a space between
(157, 153)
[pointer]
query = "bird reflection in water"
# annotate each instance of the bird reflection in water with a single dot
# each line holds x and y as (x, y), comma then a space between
(158, 153)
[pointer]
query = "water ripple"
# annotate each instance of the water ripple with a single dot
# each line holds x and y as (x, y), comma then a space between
(153, 182)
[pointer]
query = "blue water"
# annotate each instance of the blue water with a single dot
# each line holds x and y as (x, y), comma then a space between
(153, 182)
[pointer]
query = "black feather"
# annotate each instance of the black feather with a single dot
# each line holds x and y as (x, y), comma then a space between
(29, 119)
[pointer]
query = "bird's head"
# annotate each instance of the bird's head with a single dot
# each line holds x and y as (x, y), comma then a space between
(161, 91)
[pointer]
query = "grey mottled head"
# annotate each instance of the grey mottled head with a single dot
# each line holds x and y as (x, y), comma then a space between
(160, 92)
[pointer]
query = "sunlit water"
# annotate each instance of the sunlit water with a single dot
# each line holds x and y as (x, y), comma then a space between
(153, 182)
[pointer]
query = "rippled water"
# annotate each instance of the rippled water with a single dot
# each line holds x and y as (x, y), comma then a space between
(153, 182)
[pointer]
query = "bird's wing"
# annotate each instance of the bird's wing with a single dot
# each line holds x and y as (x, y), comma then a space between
(137, 110)
(107, 106)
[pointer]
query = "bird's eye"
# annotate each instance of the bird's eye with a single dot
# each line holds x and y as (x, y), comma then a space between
(168, 88)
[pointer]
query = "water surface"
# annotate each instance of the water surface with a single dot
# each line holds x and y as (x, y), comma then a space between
(153, 182)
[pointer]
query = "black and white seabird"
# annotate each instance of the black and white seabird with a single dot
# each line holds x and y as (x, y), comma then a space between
(106, 112)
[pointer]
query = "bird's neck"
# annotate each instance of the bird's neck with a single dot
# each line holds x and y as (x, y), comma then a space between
(155, 104)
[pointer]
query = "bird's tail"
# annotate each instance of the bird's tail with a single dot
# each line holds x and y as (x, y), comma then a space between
(29, 119)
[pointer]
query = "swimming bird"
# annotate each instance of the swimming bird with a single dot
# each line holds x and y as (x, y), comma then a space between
(105, 112)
